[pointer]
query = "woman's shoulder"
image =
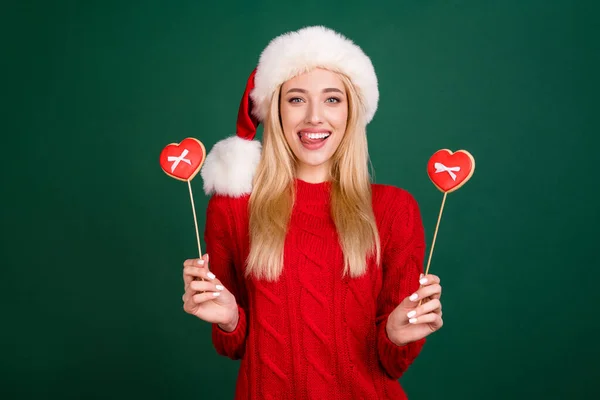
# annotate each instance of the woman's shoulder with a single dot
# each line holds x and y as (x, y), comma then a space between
(391, 203)
(385, 196)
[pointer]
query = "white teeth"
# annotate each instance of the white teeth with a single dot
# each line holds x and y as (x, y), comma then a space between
(316, 135)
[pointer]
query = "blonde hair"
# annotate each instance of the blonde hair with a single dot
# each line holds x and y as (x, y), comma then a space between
(272, 197)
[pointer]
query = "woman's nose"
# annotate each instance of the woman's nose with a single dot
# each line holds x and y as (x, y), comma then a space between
(314, 114)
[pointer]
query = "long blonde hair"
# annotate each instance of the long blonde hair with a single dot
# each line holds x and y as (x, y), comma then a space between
(272, 197)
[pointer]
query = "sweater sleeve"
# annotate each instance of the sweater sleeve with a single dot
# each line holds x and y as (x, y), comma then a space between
(402, 263)
(218, 237)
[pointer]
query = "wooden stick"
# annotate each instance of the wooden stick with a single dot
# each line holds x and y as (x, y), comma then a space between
(435, 233)
(435, 236)
(195, 221)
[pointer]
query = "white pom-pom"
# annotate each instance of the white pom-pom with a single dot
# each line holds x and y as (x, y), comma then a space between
(230, 166)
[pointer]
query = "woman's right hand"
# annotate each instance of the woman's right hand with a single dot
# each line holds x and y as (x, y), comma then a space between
(208, 299)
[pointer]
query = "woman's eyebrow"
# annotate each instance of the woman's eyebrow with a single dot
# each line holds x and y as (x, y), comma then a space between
(296, 90)
(327, 90)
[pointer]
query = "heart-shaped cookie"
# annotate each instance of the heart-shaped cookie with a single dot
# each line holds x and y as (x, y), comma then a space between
(183, 160)
(449, 171)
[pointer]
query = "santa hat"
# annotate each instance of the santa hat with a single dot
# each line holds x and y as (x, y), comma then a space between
(230, 165)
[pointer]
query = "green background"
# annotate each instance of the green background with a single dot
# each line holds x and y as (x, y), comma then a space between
(94, 233)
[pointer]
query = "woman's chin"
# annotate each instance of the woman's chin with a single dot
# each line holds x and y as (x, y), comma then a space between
(313, 161)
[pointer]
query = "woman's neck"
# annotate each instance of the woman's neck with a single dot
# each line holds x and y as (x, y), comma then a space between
(313, 174)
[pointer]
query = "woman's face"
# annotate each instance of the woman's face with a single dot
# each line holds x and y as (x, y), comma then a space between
(314, 111)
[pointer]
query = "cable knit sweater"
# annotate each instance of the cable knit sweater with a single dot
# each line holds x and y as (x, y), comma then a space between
(315, 334)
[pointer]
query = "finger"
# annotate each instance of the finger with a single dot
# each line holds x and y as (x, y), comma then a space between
(205, 286)
(196, 273)
(430, 306)
(206, 296)
(195, 262)
(429, 279)
(426, 291)
(187, 295)
(190, 273)
(191, 263)
(204, 273)
(188, 292)
(431, 318)
(189, 305)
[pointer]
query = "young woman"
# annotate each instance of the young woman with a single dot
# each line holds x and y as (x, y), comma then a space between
(315, 273)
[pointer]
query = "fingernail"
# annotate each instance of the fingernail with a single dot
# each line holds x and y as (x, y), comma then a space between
(220, 287)
(423, 281)
(413, 297)
(420, 276)
(411, 314)
(412, 320)
(211, 275)
(201, 261)
(216, 294)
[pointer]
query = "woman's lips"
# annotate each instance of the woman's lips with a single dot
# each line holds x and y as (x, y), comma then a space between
(314, 143)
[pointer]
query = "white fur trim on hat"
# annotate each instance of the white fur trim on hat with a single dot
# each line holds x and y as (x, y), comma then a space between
(230, 165)
(294, 53)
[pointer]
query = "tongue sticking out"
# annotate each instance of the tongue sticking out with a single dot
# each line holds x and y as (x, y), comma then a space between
(306, 140)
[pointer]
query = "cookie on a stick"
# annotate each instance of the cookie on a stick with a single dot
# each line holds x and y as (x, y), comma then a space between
(448, 171)
(182, 161)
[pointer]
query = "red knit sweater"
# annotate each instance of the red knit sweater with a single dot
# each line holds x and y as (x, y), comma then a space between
(314, 334)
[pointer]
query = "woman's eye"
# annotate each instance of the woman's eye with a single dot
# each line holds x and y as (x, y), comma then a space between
(295, 100)
(333, 100)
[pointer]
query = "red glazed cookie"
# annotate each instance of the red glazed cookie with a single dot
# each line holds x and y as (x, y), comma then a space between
(183, 160)
(449, 171)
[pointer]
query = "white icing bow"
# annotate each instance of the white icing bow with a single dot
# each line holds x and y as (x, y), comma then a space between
(439, 167)
(177, 160)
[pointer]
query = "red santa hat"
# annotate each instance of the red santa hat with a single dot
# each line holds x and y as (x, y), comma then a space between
(230, 164)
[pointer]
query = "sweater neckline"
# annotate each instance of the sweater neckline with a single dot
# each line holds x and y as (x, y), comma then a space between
(312, 193)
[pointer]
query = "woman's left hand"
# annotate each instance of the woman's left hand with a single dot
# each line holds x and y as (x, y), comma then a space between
(409, 321)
